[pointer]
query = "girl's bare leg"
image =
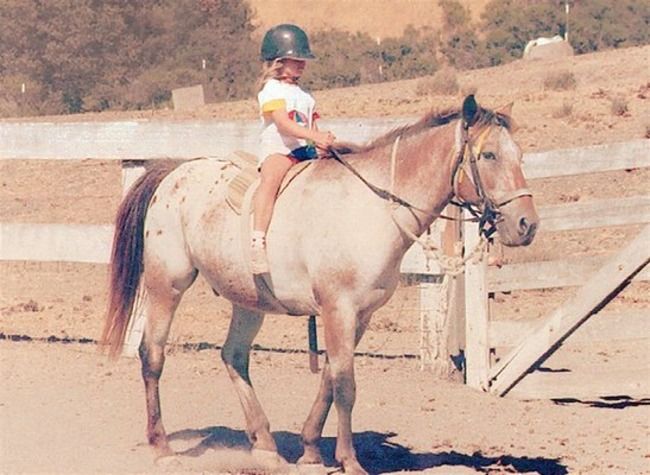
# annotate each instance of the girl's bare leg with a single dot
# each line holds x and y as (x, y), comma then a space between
(274, 169)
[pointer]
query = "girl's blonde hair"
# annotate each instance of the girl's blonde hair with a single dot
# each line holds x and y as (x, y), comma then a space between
(270, 70)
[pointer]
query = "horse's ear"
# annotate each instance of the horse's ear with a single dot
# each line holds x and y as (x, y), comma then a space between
(505, 110)
(470, 110)
(504, 117)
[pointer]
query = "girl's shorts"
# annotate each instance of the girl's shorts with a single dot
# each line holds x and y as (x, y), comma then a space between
(308, 152)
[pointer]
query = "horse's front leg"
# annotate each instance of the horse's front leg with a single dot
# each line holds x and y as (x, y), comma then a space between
(244, 327)
(313, 428)
(340, 324)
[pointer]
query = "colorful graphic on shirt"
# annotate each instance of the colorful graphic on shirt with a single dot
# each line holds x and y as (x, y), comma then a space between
(299, 118)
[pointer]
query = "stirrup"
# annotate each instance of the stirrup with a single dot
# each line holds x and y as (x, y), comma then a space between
(259, 262)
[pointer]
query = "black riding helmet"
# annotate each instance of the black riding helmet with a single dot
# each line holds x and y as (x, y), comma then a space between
(285, 41)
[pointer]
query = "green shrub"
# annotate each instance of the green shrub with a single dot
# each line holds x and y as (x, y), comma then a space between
(601, 24)
(346, 59)
(460, 45)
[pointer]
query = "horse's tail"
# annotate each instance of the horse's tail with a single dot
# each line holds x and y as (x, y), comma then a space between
(127, 255)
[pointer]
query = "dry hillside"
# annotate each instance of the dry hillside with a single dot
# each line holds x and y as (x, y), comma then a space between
(378, 18)
(609, 102)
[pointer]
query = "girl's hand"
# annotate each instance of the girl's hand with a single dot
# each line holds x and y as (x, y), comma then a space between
(323, 140)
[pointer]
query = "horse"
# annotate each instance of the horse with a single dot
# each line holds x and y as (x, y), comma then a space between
(335, 244)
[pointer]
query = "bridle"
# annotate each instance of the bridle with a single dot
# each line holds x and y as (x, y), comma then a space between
(487, 211)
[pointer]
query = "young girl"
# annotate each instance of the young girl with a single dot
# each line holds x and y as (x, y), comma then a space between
(289, 134)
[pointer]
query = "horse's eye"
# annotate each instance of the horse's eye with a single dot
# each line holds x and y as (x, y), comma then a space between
(488, 155)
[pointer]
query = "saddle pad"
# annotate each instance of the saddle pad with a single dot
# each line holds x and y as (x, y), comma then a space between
(247, 163)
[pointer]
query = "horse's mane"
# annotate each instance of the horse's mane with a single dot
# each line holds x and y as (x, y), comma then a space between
(430, 120)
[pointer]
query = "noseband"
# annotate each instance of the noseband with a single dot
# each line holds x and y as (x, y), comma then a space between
(487, 210)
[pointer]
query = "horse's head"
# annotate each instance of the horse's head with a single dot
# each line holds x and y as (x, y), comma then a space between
(488, 176)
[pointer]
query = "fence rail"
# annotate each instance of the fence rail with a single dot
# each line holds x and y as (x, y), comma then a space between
(523, 345)
(549, 274)
(147, 140)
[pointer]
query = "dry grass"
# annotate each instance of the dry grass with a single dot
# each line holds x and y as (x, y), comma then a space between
(619, 106)
(560, 81)
(564, 111)
(468, 89)
(443, 83)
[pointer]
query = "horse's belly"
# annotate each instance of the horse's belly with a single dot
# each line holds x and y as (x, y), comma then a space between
(270, 293)
(219, 251)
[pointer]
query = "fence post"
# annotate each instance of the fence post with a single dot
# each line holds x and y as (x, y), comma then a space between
(131, 171)
(439, 315)
(477, 351)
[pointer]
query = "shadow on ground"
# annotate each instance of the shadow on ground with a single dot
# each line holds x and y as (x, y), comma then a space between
(375, 451)
(606, 402)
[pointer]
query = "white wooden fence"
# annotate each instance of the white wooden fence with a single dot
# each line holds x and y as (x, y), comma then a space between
(523, 346)
(135, 141)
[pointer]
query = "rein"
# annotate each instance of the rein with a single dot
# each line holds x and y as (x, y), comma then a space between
(382, 193)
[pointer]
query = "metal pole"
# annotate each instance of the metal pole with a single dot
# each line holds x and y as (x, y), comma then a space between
(566, 21)
(313, 344)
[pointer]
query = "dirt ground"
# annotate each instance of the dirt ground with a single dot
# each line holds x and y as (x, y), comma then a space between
(65, 409)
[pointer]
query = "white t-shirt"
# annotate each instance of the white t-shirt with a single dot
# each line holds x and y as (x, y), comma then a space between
(298, 104)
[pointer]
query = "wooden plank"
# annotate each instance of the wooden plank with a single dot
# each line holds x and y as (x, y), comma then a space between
(607, 326)
(144, 139)
(566, 318)
(415, 262)
(92, 243)
(596, 214)
(578, 161)
(151, 139)
(55, 242)
(131, 171)
(549, 274)
(585, 384)
(477, 355)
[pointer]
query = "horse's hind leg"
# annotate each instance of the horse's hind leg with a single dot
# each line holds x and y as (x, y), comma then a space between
(244, 327)
(163, 294)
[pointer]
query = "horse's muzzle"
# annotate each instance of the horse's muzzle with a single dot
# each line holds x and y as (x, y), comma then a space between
(518, 223)
(527, 231)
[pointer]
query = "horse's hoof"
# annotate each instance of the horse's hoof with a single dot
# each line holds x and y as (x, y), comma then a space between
(310, 457)
(162, 452)
(270, 460)
(353, 468)
(309, 468)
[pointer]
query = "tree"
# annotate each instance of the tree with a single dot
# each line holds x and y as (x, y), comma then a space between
(510, 24)
(602, 24)
(98, 54)
(460, 44)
